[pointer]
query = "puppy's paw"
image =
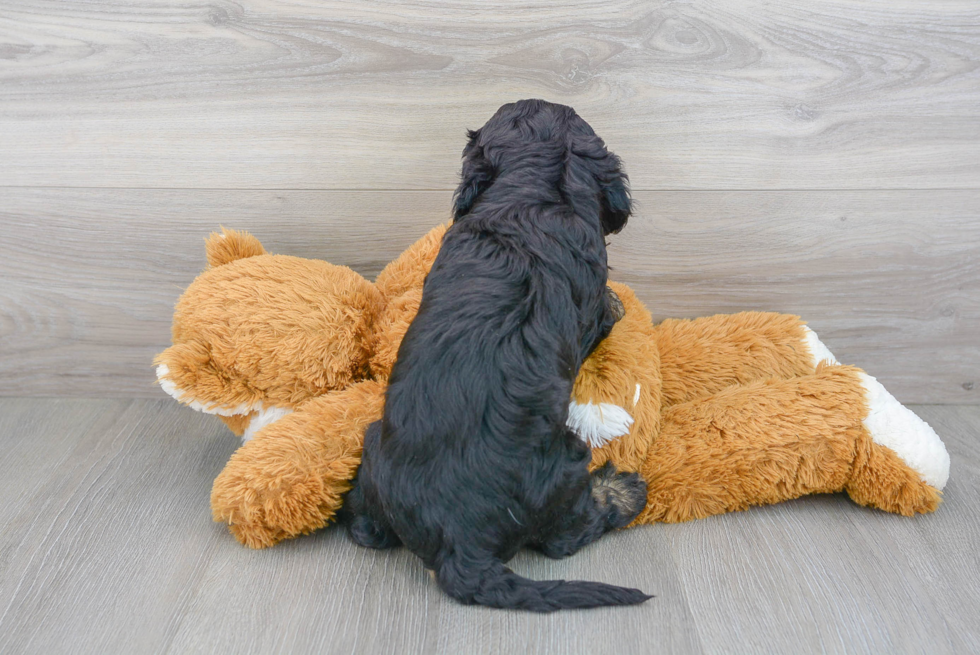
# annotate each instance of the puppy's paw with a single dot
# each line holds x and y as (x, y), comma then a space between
(621, 495)
(615, 305)
(369, 533)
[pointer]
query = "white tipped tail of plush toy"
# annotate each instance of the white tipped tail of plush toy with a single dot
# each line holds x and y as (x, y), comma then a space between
(894, 425)
(231, 245)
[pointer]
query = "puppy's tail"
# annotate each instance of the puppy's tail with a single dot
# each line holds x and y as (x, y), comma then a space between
(231, 245)
(495, 585)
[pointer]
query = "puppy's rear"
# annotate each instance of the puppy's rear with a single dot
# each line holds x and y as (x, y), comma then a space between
(472, 460)
(468, 560)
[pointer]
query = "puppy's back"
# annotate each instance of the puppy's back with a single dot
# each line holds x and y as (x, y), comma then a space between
(472, 459)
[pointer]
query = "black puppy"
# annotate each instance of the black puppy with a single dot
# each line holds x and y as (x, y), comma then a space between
(472, 459)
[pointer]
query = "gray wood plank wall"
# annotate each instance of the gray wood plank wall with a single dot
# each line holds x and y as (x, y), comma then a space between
(819, 158)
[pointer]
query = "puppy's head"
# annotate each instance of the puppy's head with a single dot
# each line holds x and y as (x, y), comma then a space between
(563, 151)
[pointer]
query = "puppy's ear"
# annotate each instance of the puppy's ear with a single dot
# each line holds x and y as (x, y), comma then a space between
(607, 171)
(478, 175)
(616, 203)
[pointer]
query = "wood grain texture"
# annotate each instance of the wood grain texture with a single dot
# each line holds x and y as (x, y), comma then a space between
(342, 94)
(99, 555)
(889, 280)
(332, 129)
(850, 579)
(106, 545)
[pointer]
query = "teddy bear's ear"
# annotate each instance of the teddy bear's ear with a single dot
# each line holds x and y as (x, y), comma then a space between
(478, 174)
(231, 245)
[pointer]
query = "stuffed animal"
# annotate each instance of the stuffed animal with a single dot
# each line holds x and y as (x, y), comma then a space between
(717, 414)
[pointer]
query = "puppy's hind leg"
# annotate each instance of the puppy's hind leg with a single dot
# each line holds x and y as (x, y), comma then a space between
(612, 500)
(365, 527)
(362, 515)
(620, 496)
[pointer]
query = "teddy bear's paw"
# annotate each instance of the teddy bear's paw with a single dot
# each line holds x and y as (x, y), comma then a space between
(891, 491)
(895, 426)
(883, 481)
(257, 535)
(263, 520)
(261, 508)
(621, 495)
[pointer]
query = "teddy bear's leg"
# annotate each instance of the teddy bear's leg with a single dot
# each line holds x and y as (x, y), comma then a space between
(902, 447)
(891, 425)
(702, 356)
(777, 439)
(290, 479)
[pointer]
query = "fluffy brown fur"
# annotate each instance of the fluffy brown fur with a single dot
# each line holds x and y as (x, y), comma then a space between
(230, 246)
(771, 440)
(270, 329)
(703, 356)
(731, 412)
(291, 478)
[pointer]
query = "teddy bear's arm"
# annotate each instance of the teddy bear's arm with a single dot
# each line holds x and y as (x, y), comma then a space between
(703, 356)
(773, 440)
(290, 479)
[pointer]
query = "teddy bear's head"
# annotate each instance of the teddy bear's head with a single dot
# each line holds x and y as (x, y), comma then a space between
(265, 333)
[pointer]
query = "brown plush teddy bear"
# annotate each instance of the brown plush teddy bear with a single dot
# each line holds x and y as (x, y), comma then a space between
(717, 414)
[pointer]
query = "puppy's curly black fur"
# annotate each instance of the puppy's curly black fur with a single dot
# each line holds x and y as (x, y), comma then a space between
(472, 459)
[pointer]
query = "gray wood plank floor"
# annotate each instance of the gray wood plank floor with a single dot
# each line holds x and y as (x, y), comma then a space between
(106, 546)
